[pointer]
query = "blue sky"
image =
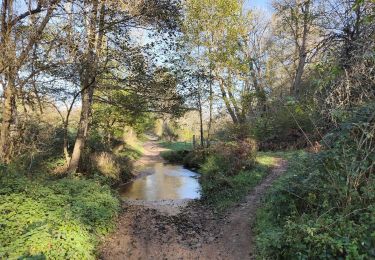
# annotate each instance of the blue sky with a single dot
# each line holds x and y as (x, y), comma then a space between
(262, 4)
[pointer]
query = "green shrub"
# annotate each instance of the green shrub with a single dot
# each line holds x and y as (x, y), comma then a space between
(228, 172)
(174, 156)
(60, 219)
(233, 132)
(195, 158)
(325, 206)
(280, 128)
(234, 156)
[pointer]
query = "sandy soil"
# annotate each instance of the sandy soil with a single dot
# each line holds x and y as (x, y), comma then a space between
(185, 229)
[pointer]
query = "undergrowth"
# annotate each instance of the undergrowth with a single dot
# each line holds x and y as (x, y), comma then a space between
(53, 219)
(229, 170)
(222, 191)
(324, 206)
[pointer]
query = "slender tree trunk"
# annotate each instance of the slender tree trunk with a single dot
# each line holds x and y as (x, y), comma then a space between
(226, 102)
(83, 128)
(65, 144)
(235, 106)
(233, 101)
(200, 107)
(9, 95)
(200, 119)
(10, 64)
(95, 32)
(302, 53)
(8, 111)
(261, 95)
(300, 69)
(210, 108)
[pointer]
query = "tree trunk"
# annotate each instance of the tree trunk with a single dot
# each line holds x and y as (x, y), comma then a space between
(298, 78)
(8, 110)
(201, 120)
(83, 128)
(261, 95)
(10, 64)
(210, 109)
(210, 99)
(227, 103)
(95, 32)
(302, 53)
(232, 99)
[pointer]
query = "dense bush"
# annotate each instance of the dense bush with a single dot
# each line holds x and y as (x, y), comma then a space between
(175, 156)
(232, 132)
(58, 219)
(193, 159)
(196, 158)
(283, 125)
(227, 172)
(231, 157)
(325, 206)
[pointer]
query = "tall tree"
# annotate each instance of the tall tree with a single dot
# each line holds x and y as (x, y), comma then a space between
(14, 54)
(296, 20)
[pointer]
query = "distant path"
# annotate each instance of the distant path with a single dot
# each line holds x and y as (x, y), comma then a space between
(151, 152)
(194, 232)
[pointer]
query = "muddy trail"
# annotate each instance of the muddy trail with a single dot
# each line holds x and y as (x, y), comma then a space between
(185, 229)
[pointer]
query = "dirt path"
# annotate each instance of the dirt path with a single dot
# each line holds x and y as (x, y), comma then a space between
(151, 153)
(148, 231)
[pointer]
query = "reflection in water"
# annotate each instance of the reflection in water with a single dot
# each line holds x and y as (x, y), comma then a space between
(164, 182)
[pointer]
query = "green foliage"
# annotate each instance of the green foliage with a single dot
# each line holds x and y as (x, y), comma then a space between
(229, 169)
(177, 151)
(222, 191)
(175, 156)
(232, 157)
(231, 132)
(132, 152)
(196, 158)
(59, 219)
(281, 127)
(324, 206)
(182, 153)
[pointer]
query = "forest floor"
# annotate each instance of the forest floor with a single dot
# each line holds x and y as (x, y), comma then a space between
(185, 229)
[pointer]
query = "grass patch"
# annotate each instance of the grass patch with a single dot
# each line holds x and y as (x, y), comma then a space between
(53, 219)
(177, 151)
(223, 191)
(287, 155)
(177, 146)
(133, 152)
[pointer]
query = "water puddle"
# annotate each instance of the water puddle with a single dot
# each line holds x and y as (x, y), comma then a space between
(164, 182)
